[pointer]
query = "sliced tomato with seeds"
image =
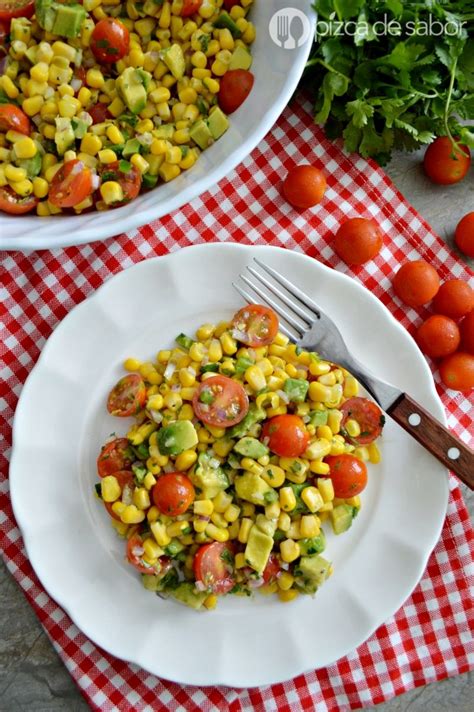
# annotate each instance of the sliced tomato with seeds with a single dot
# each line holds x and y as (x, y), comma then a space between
(285, 435)
(135, 552)
(272, 569)
(173, 493)
(14, 119)
(16, 8)
(99, 113)
(220, 401)
(110, 40)
(255, 325)
(14, 204)
(71, 184)
(369, 416)
(127, 397)
(114, 456)
(348, 475)
(125, 480)
(190, 7)
(214, 567)
(127, 175)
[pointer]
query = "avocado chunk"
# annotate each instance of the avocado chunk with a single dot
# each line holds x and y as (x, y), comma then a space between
(341, 518)
(311, 572)
(174, 548)
(79, 126)
(131, 88)
(201, 134)
(208, 476)
(165, 131)
(68, 20)
(156, 583)
(224, 21)
(296, 389)
(267, 526)
(218, 123)
(242, 364)
(32, 166)
(64, 136)
(19, 29)
(177, 437)
(314, 545)
(131, 146)
(251, 447)
(253, 488)
(173, 57)
(187, 594)
(241, 59)
(318, 417)
(255, 415)
(257, 551)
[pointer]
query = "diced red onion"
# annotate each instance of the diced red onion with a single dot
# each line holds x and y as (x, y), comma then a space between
(76, 84)
(283, 396)
(95, 181)
(169, 371)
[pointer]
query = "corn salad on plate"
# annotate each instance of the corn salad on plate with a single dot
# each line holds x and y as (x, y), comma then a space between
(104, 101)
(249, 640)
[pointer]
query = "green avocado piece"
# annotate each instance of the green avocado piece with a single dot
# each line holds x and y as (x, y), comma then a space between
(68, 19)
(310, 572)
(168, 582)
(251, 447)
(173, 57)
(64, 137)
(177, 437)
(224, 21)
(267, 526)
(131, 87)
(19, 29)
(210, 480)
(341, 518)
(255, 415)
(187, 594)
(201, 134)
(313, 546)
(318, 417)
(79, 127)
(258, 548)
(253, 488)
(218, 123)
(296, 389)
(32, 166)
(241, 59)
(132, 146)
(165, 131)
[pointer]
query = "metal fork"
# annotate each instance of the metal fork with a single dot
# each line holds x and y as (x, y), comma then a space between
(283, 32)
(309, 327)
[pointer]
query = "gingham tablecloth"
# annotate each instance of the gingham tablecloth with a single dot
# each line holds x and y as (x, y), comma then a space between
(431, 635)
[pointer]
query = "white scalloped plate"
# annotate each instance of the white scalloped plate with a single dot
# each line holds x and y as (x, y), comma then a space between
(61, 422)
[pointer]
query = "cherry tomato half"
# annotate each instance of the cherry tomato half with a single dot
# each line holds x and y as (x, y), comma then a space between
(369, 416)
(304, 186)
(444, 163)
(127, 397)
(220, 401)
(127, 175)
(110, 40)
(14, 204)
(135, 553)
(457, 371)
(416, 283)
(455, 299)
(466, 327)
(71, 184)
(213, 567)
(464, 235)
(125, 480)
(16, 8)
(255, 325)
(348, 475)
(113, 457)
(285, 435)
(173, 493)
(438, 336)
(190, 7)
(272, 569)
(99, 113)
(358, 240)
(236, 85)
(13, 118)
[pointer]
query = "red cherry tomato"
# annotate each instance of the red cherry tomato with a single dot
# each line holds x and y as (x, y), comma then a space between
(125, 480)
(229, 4)
(221, 402)
(369, 416)
(213, 567)
(110, 40)
(272, 569)
(99, 113)
(13, 118)
(455, 299)
(304, 186)
(236, 85)
(113, 457)
(348, 475)
(71, 184)
(438, 336)
(16, 8)
(445, 164)
(255, 325)
(127, 175)
(457, 371)
(173, 493)
(14, 204)
(464, 235)
(4, 42)
(127, 397)
(358, 240)
(135, 552)
(190, 7)
(285, 435)
(466, 328)
(416, 283)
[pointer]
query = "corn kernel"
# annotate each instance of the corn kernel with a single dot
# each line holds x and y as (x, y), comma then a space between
(186, 460)
(287, 499)
(40, 187)
(111, 191)
(158, 529)
(132, 515)
(110, 489)
(289, 550)
(245, 526)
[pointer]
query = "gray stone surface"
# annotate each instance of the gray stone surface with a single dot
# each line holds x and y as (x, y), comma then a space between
(32, 677)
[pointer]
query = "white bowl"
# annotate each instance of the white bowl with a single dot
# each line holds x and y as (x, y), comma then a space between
(277, 72)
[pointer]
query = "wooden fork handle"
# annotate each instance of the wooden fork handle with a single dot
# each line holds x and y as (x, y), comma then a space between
(437, 439)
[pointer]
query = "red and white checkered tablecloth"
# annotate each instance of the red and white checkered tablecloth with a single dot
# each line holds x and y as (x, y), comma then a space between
(431, 636)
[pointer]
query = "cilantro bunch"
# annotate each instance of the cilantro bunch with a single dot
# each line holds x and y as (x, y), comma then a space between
(395, 88)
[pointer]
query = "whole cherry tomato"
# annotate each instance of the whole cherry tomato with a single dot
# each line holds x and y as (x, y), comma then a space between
(445, 163)
(304, 186)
